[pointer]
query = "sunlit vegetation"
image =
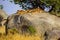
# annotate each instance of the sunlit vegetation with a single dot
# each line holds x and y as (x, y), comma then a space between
(16, 36)
(56, 7)
(33, 11)
(32, 30)
(2, 29)
(32, 4)
(13, 31)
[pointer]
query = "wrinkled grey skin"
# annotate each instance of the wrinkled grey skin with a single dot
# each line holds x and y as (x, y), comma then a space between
(3, 17)
(54, 34)
(46, 25)
(17, 21)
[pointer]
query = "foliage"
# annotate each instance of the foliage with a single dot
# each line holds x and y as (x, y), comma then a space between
(27, 4)
(55, 3)
(31, 4)
(24, 3)
(32, 30)
(1, 6)
(15, 36)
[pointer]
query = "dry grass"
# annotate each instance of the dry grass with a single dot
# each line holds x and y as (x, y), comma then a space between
(17, 36)
(22, 37)
(2, 29)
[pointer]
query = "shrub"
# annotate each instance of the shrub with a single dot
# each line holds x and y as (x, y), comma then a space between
(32, 30)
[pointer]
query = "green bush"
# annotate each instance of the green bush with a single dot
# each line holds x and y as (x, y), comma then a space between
(32, 30)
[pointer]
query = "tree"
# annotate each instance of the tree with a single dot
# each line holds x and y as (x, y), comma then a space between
(56, 4)
(1, 6)
(31, 4)
(28, 4)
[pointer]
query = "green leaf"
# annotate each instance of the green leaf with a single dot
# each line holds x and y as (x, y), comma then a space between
(32, 30)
